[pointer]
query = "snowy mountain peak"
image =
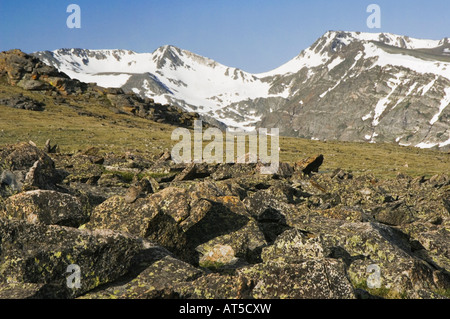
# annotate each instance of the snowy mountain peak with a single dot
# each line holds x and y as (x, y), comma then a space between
(327, 46)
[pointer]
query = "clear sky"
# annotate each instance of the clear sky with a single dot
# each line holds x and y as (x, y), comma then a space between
(254, 35)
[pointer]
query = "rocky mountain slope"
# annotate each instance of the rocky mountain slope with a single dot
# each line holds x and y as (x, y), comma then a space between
(348, 86)
(21, 70)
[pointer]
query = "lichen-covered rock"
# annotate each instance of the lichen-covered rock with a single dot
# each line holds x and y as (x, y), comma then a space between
(19, 290)
(186, 223)
(232, 249)
(363, 244)
(47, 207)
(32, 168)
(432, 242)
(294, 246)
(311, 279)
(141, 218)
(41, 254)
(214, 286)
(232, 170)
(158, 280)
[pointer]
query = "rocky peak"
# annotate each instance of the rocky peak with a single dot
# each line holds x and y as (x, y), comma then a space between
(97, 54)
(168, 54)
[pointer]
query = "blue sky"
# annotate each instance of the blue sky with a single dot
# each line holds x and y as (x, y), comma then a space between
(254, 35)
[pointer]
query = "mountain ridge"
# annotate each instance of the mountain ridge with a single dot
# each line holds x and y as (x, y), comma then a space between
(406, 70)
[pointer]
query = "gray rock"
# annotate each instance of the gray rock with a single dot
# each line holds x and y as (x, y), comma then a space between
(311, 279)
(20, 101)
(34, 85)
(41, 254)
(47, 207)
(9, 178)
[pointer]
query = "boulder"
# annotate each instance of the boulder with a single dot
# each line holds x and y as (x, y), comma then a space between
(47, 207)
(214, 286)
(34, 85)
(363, 244)
(158, 279)
(186, 223)
(12, 180)
(232, 170)
(22, 156)
(40, 254)
(309, 165)
(19, 290)
(311, 279)
(32, 168)
(141, 218)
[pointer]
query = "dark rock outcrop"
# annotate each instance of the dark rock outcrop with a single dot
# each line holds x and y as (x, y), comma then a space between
(20, 101)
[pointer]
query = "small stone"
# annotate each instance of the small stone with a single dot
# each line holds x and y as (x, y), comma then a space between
(132, 194)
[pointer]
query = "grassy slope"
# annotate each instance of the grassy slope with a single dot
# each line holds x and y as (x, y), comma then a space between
(71, 130)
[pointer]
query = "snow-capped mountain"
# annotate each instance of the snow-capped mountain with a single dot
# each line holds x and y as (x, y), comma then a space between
(168, 75)
(374, 87)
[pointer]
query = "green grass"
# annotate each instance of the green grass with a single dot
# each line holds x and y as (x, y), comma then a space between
(383, 160)
(382, 292)
(72, 132)
(443, 292)
(119, 133)
(127, 177)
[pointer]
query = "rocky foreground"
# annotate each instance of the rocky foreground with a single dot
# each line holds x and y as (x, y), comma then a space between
(148, 228)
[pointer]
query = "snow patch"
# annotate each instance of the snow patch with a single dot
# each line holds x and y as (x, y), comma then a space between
(384, 59)
(444, 103)
(427, 87)
(447, 142)
(366, 117)
(383, 103)
(426, 145)
(335, 63)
